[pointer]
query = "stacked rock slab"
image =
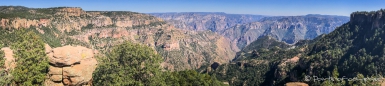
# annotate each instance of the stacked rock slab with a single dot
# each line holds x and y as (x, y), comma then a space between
(70, 66)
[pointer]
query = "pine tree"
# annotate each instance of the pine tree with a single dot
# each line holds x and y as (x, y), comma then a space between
(2, 60)
(32, 62)
(129, 64)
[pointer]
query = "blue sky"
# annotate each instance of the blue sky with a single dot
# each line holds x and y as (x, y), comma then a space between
(262, 7)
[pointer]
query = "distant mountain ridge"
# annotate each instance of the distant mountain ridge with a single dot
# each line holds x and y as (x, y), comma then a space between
(288, 29)
(200, 21)
(242, 29)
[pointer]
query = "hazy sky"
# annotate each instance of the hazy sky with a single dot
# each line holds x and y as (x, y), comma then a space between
(262, 7)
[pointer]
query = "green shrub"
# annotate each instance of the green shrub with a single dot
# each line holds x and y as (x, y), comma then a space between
(129, 64)
(31, 59)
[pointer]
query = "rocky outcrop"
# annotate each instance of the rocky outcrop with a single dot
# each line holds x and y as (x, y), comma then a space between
(68, 55)
(71, 23)
(70, 65)
(374, 18)
(18, 23)
(9, 62)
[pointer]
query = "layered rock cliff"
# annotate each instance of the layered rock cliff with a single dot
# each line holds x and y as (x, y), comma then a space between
(181, 49)
(71, 18)
(370, 18)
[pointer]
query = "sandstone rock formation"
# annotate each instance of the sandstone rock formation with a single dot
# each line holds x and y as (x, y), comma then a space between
(18, 23)
(70, 65)
(9, 59)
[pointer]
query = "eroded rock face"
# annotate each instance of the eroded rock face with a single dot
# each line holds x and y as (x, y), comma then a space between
(9, 59)
(18, 23)
(69, 55)
(70, 65)
(367, 18)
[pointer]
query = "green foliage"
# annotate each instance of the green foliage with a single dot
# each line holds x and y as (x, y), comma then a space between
(7, 37)
(9, 12)
(354, 49)
(31, 59)
(71, 33)
(253, 75)
(2, 60)
(263, 43)
(49, 36)
(89, 26)
(255, 63)
(129, 64)
(191, 78)
(134, 64)
(152, 24)
(118, 13)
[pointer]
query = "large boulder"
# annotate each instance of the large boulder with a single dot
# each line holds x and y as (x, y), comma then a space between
(70, 65)
(69, 55)
(80, 73)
